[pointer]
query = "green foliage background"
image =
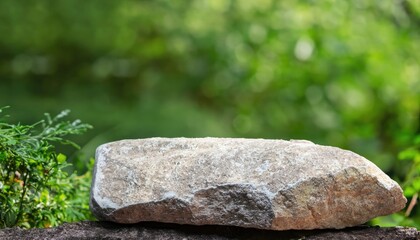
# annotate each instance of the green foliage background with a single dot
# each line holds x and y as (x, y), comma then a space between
(342, 73)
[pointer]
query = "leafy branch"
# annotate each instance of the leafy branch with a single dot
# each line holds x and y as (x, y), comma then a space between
(35, 191)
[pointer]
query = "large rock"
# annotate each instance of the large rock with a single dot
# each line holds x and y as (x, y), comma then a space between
(266, 184)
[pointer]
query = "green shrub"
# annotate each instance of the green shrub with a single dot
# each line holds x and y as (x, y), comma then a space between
(411, 187)
(35, 191)
(411, 183)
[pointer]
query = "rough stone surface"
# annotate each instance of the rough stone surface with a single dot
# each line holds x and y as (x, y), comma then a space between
(150, 231)
(256, 183)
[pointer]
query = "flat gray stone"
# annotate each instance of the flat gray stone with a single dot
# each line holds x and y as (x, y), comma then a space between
(256, 183)
(164, 231)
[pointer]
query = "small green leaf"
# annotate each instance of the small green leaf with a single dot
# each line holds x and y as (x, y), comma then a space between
(25, 225)
(11, 142)
(61, 158)
(407, 154)
(10, 217)
(409, 191)
(416, 184)
(62, 197)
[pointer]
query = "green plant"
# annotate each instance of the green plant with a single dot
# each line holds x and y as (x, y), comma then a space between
(411, 187)
(78, 196)
(35, 191)
(411, 184)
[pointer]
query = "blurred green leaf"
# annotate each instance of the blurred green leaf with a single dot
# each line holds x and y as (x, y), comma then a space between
(408, 154)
